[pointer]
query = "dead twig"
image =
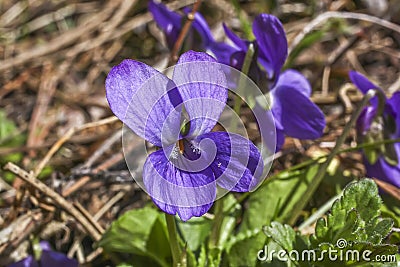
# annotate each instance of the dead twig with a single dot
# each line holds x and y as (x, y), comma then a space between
(395, 86)
(58, 199)
(333, 58)
(344, 96)
(94, 254)
(128, 26)
(109, 205)
(12, 236)
(75, 247)
(54, 17)
(16, 83)
(82, 181)
(4, 185)
(89, 217)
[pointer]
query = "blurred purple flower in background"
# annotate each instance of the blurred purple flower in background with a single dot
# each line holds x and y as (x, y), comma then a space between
(172, 22)
(381, 162)
(294, 113)
(181, 177)
(48, 258)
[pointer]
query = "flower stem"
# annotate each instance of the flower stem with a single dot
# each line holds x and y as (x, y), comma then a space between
(245, 69)
(173, 240)
(219, 204)
(238, 101)
(217, 224)
(295, 212)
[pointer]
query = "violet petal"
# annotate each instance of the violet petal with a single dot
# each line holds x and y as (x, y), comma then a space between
(169, 21)
(27, 262)
(363, 84)
(175, 191)
(365, 119)
(271, 39)
(144, 100)
(203, 87)
(239, 42)
(52, 258)
(384, 171)
(238, 165)
(296, 80)
(298, 115)
(394, 102)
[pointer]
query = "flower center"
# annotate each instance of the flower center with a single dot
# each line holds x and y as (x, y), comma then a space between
(186, 148)
(181, 146)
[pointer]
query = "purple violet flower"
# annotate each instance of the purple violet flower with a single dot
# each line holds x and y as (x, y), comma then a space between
(48, 258)
(294, 113)
(381, 163)
(296, 116)
(183, 174)
(172, 22)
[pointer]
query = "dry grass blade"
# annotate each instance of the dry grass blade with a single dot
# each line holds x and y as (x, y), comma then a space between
(61, 41)
(345, 15)
(66, 137)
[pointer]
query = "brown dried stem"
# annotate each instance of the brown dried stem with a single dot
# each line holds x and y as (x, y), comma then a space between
(184, 32)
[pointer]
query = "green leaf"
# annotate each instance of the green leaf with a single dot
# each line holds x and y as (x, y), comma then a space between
(214, 257)
(230, 218)
(274, 200)
(231, 211)
(7, 128)
(140, 232)
(269, 259)
(354, 217)
(202, 259)
(9, 137)
(282, 234)
(286, 238)
(130, 232)
(353, 227)
(392, 212)
(195, 231)
(243, 244)
(158, 239)
(300, 253)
